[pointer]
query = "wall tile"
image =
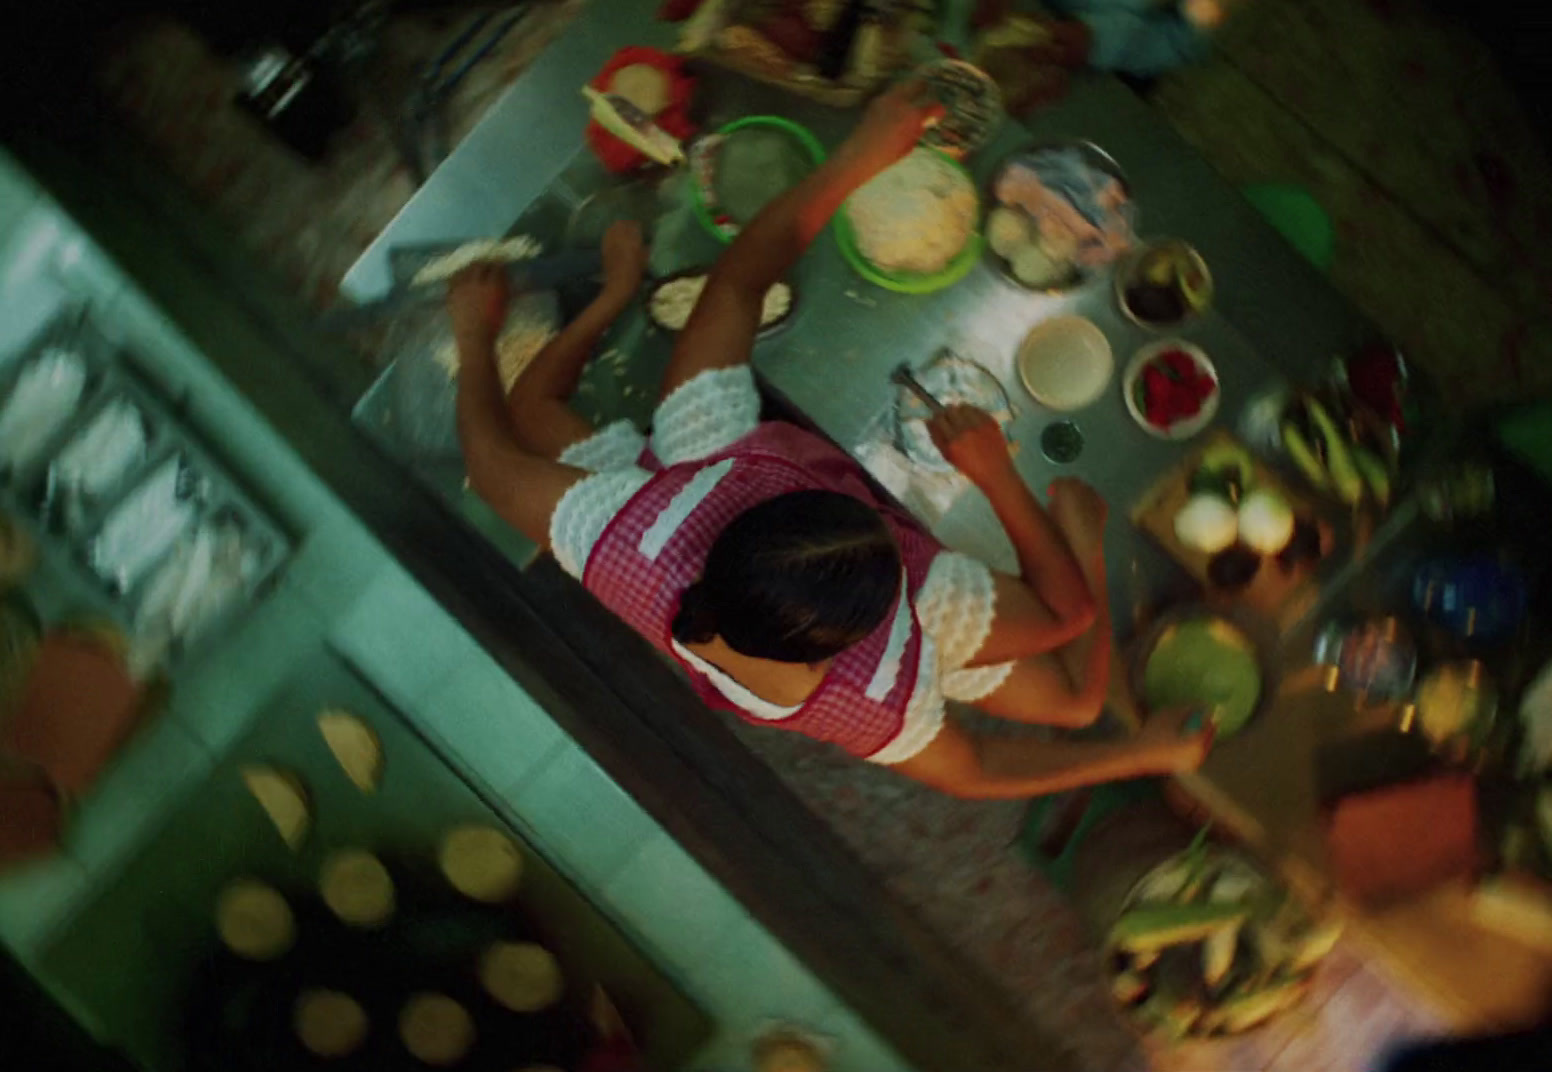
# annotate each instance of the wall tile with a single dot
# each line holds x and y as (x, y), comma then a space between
(224, 688)
(335, 564)
(494, 730)
(678, 910)
(587, 825)
(34, 898)
(750, 978)
(147, 777)
(401, 639)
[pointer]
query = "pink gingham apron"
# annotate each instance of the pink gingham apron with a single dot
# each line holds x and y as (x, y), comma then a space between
(656, 547)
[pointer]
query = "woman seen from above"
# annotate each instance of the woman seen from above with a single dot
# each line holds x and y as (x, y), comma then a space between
(758, 556)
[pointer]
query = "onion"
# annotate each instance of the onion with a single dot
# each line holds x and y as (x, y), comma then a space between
(1265, 522)
(1207, 524)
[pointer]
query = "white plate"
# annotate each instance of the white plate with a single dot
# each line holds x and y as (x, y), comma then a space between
(1182, 429)
(1065, 363)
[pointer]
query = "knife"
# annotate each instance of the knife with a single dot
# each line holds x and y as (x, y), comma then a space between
(903, 376)
(540, 273)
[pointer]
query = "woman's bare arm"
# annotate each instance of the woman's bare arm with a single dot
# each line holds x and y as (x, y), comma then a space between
(522, 487)
(1011, 768)
(539, 404)
(1057, 605)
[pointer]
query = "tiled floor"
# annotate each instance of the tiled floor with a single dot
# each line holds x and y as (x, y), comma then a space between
(1439, 191)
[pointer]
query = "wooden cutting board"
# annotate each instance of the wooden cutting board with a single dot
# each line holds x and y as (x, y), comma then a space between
(1283, 595)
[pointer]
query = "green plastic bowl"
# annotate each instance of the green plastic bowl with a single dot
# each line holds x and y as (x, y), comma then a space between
(726, 232)
(910, 283)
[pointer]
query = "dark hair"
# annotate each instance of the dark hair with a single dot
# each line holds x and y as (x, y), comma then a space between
(797, 579)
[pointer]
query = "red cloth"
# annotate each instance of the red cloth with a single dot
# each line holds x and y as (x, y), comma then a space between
(1390, 843)
(774, 459)
(674, 119)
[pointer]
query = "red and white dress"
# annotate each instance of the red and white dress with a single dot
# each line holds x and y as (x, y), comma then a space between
(637, 531)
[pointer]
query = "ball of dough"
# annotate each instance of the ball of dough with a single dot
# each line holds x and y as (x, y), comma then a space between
(1034, 267)
(357, 888)
(328, 1023)
(1007, 230)
(521, 976)
(254, 920)
(436, 1029)
(481, 863)
(644, 85)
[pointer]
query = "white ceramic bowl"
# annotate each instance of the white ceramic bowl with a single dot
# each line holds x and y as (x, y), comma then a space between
(1065, 363)
(1181, 429)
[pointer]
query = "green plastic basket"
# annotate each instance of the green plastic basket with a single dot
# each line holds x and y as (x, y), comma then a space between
(908, 283)
(703, 211)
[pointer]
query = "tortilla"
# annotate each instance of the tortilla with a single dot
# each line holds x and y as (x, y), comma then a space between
(329, 1024)
(522, 976)
(254, 920)
(436, 1029)
(481, 863)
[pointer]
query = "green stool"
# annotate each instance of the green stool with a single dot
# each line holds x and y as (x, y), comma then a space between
(1298, 217)
(1527, 433)
(1103, 801)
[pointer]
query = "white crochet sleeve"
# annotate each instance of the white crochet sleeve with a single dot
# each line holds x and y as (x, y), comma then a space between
(923, 712)
(956, 606)
(615, 446)
(708, 413)
(585, 510)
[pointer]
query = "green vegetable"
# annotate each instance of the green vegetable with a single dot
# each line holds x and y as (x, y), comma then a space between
(1175, 1017)
(1339, 460)
(1315, 945)
(1226, 470)
(1246, 1010)
(1129, 987)
(1149, 928)
(1374, 473)
(1303, 454)
(1230, 456)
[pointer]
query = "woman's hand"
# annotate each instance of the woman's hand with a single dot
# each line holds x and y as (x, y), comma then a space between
(1178, 739)
(971, 440)
(892, 125)
(477, 303)
(625, 260)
